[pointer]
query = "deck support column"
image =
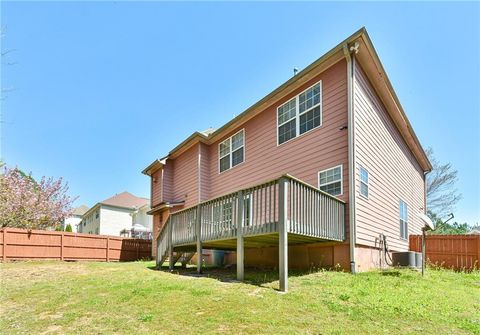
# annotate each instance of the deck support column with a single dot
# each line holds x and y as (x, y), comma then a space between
(170, 246)
(283, 233)
(240, 239)
(198, 230)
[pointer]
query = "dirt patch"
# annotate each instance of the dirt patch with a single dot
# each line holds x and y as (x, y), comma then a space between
(54, 329)
(44, 316)
(39, 271)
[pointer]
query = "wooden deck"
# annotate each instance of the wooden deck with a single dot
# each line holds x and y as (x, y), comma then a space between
(257, 241)
(280, 212)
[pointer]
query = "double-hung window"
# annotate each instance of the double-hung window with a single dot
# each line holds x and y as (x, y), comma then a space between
(363, 182)
(300, 114)
(403, 220)
(231, 152)
(331, 180)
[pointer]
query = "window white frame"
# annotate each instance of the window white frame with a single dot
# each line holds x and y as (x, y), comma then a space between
(403, 219)
(331, 182)
(298, 114)
(230, 152)
(363, 182)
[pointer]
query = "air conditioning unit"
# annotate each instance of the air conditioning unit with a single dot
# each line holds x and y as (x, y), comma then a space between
(409, 259)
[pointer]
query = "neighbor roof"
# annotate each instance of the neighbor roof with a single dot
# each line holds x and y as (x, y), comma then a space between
(126, 199)
(80, 210)
(367, 57)
(122, 200)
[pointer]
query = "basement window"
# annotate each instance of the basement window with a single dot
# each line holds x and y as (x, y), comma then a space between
(231, 152)
(300, 114)
(331, 180)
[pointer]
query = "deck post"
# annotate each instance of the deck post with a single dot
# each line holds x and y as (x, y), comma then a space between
(283, 233)
(240, 239)
(198, 230)
(170, 246)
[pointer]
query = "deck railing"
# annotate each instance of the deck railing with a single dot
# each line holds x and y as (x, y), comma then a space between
(314, 213)
(305, 209)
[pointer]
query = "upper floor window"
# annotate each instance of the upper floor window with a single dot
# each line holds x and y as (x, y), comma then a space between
(331, 180)
(403, 220)
(300, 114)
(363, 182)
(231, 152)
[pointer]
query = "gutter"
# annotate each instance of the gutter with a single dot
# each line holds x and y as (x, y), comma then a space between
(351, 154)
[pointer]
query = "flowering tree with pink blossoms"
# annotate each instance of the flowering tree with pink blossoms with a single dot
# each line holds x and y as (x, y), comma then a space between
(26, 203)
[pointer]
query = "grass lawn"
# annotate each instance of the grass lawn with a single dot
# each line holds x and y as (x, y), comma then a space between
(105, 298)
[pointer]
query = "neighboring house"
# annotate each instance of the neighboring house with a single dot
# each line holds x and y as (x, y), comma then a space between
(338, 128)
(116, 214)
(474, 231)
(74, 219)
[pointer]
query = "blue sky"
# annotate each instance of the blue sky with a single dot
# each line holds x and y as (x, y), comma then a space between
(102, 89)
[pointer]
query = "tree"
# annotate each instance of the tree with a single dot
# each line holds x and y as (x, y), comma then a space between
(68, 228)
(445, 228)
(26, 203)
(442, 196)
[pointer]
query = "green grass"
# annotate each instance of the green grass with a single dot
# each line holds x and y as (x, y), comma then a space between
(94, 298)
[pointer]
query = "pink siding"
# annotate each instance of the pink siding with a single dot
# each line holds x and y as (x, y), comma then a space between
(204, 173)
(167, 181)
(302, 157)
(156, 187)
(394, 173)
(185, 177)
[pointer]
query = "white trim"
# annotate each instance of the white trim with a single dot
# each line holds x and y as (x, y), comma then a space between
(199, 162)
(360, 168)
(298, 114)
(341, 179)
(352, 195)
(231, 151)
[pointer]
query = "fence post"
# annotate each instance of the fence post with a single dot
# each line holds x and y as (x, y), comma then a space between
(283, 233)
(240, 239)
(478, 252)
(198, 228)
(137, 243)
(108, 249)
(4, 244)
(61, 246)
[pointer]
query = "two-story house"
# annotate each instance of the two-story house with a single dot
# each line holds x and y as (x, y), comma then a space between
(117, 214)
(321, 172)
(75, 218)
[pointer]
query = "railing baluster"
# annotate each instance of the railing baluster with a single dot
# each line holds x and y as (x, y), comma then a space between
(309, 211)
(270, 207)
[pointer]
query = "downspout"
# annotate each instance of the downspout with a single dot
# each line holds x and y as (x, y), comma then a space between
(351, 155)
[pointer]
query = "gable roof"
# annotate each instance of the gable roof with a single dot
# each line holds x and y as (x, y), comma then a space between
(373, 68)
(125, 199)
(80, 210)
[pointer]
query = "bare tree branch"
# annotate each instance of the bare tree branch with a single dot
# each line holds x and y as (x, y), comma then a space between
(442, 195)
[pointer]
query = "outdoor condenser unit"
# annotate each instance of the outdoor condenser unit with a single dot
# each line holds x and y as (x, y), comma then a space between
(409, 259)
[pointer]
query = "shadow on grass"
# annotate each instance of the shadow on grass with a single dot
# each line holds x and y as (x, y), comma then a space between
(262, 277)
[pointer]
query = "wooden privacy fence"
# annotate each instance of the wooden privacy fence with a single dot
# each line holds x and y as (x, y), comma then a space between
(459, 252)
(22, 244)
